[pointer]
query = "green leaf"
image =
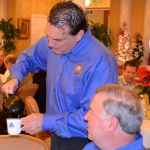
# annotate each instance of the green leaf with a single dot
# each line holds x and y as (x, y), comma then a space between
(100, 32)
(10, 35)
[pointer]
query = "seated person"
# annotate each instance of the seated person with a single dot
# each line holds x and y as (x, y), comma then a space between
(4, 76)
(129, 74)
(2, 66)
(9, 60)
(114, 120)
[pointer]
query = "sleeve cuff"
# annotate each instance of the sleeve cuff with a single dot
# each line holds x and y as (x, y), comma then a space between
(48, 123)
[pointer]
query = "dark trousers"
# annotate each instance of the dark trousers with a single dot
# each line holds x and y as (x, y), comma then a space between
(59, 143)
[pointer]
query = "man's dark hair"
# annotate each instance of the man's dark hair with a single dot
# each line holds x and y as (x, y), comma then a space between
(131, 63)
(68, 13)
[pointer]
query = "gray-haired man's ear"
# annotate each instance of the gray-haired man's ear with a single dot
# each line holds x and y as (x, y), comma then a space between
(111, 124)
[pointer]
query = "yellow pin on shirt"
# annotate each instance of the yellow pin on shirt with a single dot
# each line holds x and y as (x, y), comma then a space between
(78, 69)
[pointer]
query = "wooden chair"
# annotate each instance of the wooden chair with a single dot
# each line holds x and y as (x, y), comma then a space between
(27, 90)
(32, 107)
(21, 142)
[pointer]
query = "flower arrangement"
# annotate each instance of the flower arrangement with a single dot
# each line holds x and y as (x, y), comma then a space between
(137, 50)
(143, 83)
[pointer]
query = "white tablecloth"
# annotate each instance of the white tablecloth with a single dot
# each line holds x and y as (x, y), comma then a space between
(145, 131)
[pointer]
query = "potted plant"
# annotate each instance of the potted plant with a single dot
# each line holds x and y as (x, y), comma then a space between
(10, 35)
(100, 32)
(137, 51)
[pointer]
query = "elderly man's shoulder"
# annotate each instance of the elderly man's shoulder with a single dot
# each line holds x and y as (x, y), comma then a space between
(91, 146)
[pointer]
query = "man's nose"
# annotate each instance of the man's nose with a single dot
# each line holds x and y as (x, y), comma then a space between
(51, 43)
(131, 75)
(86, 116)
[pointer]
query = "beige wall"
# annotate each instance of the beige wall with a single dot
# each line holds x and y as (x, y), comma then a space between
(96, 16)
(24, 9)
(137, 19)
(104, 4)
(137, 16)
(3, 12)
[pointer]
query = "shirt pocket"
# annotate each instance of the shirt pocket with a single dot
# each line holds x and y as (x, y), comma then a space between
(71, 87)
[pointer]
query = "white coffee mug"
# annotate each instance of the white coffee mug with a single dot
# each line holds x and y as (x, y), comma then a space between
(13, 126)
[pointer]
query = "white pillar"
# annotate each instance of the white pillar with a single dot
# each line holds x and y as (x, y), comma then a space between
(125, 13)
(146, 30)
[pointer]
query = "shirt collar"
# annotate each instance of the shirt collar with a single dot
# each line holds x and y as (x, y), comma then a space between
(137, 144)
(82, 43)
(124, 83)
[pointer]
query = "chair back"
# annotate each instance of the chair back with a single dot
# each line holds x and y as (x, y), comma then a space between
(31, 105)
(21, 142)
(27, 90)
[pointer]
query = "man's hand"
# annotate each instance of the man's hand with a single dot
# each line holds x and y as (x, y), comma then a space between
(33, 123)
(10, 86)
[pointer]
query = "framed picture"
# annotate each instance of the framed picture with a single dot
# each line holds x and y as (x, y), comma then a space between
(23, 26)
(97, 1)
(99, 4)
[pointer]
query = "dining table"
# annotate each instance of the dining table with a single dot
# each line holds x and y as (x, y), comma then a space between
(145, 131)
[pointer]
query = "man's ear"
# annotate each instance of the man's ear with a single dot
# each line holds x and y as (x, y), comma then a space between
(111, 124)
(80, 35)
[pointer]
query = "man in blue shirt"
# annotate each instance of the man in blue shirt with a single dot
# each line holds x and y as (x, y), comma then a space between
(76, 64)
(114, 120)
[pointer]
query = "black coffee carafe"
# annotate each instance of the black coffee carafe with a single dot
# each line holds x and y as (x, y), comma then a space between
(13, 106)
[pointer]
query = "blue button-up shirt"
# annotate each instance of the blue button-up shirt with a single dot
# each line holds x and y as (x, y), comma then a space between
(71, 81)
(136, 145)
